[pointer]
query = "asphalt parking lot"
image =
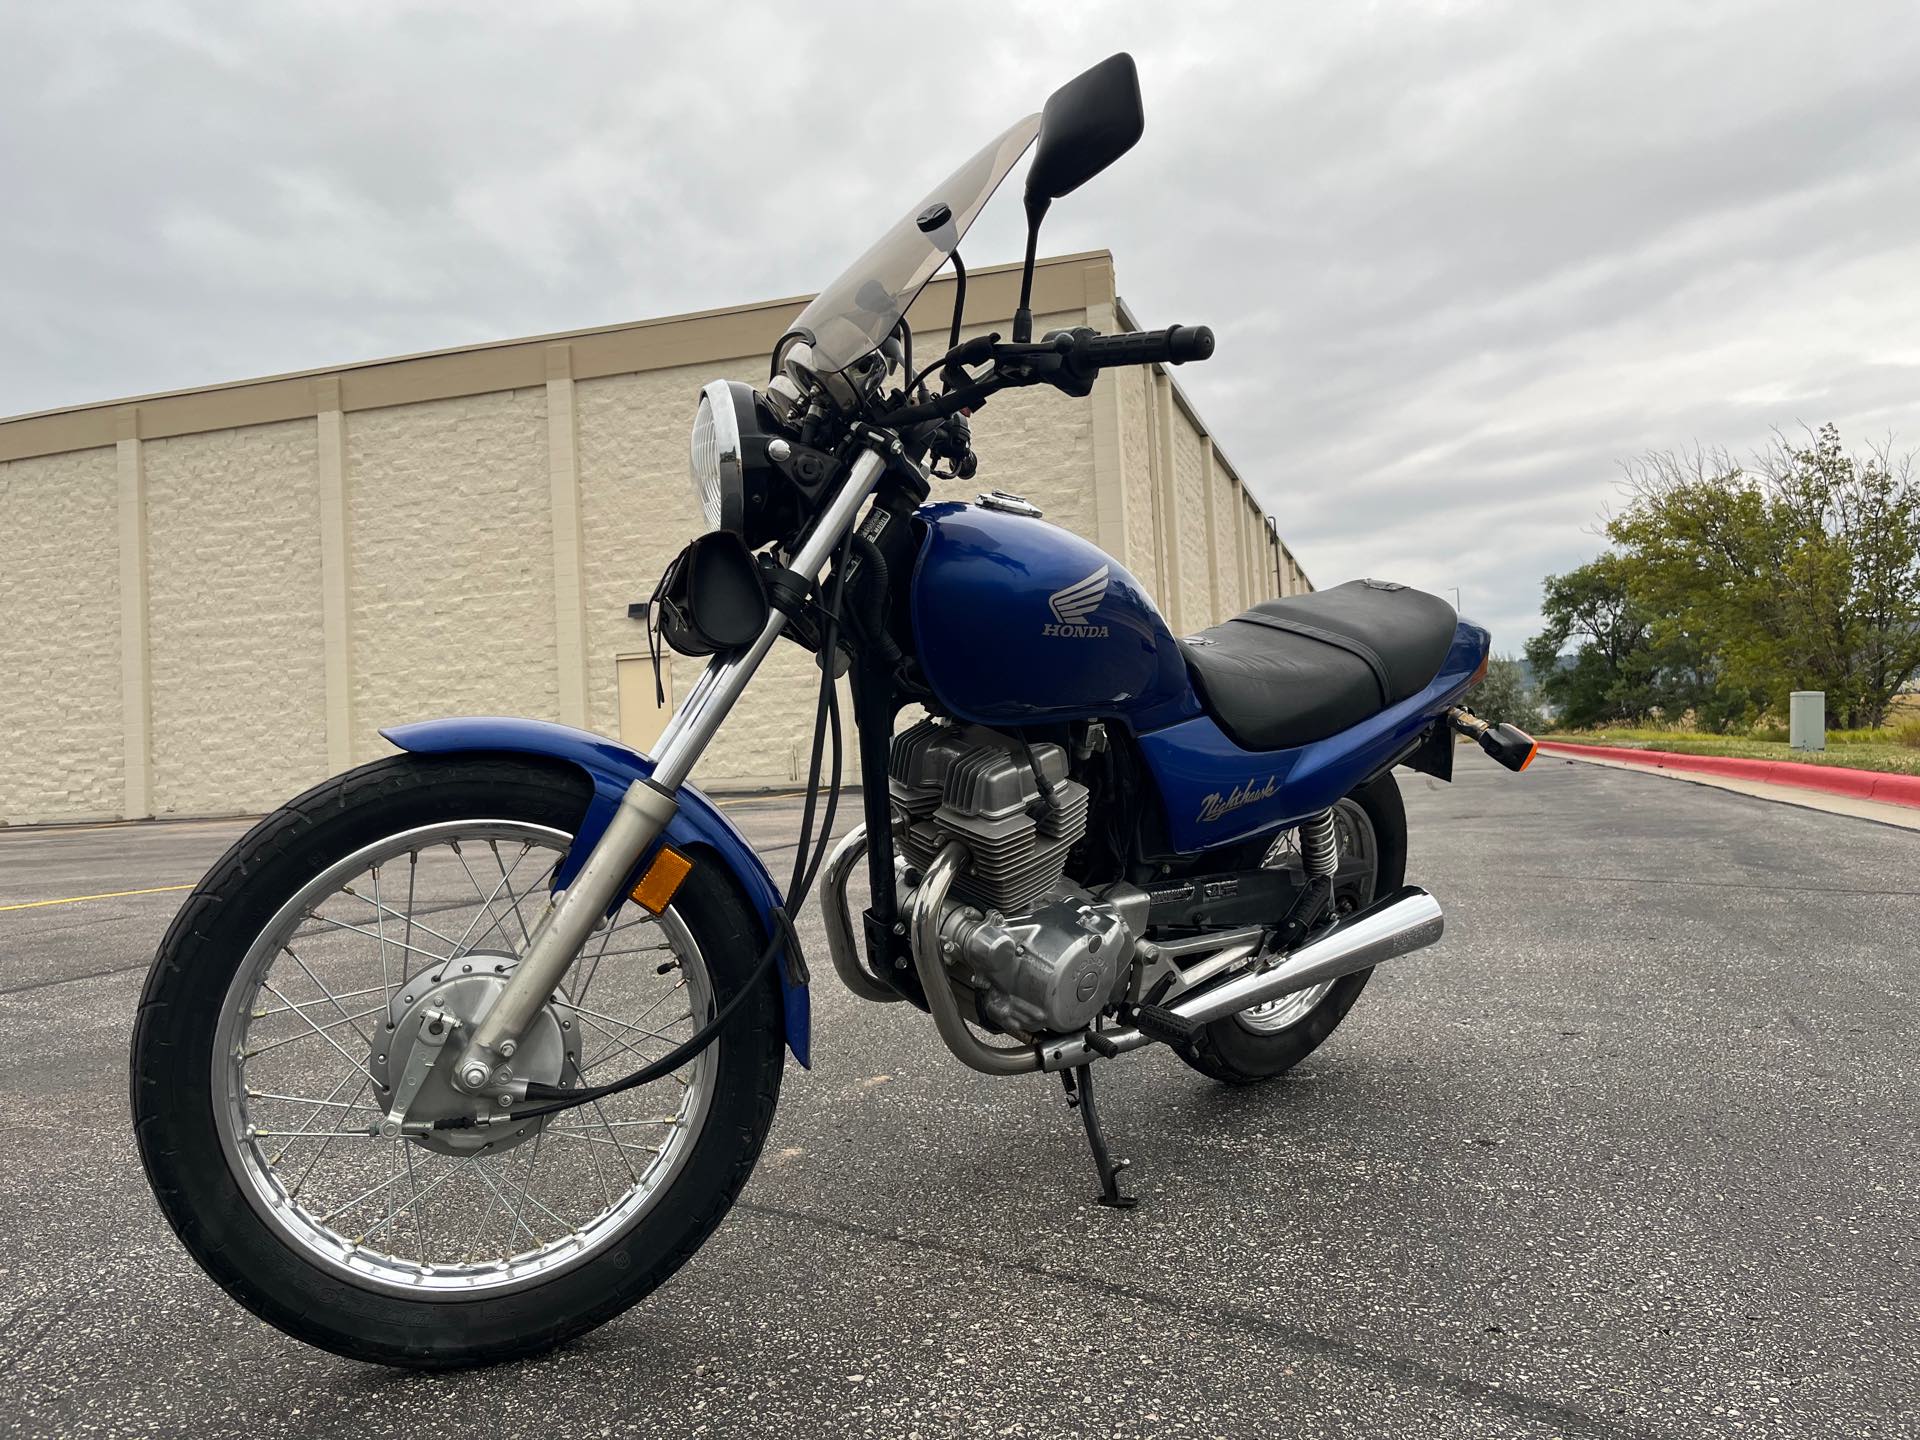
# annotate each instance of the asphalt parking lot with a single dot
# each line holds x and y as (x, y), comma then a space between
(1631, 1153)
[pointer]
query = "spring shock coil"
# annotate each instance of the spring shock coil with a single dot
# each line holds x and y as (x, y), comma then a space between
(1319, 845)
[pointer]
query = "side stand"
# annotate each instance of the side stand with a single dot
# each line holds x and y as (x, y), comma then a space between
(1079, 1087)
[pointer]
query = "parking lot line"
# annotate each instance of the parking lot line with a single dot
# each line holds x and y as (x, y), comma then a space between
(109, 895)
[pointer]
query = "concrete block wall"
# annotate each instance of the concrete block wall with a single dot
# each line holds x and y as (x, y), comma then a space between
(212, 600)
(60, 698)
(451, 545)
(234, 634)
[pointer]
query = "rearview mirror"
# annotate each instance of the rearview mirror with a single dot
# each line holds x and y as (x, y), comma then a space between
(1088, 123)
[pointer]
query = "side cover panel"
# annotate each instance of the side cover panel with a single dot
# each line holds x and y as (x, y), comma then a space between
(1215, 793)
(613, 767)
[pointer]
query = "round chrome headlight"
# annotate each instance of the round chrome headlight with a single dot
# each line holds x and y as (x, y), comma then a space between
(715, 459)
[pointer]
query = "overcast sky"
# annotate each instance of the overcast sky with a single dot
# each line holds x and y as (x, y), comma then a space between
(1461, 258)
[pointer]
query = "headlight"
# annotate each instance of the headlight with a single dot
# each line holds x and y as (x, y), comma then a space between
(715, 458)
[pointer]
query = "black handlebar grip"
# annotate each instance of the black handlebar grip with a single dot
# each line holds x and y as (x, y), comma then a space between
(1175, 345)
(1189, 342)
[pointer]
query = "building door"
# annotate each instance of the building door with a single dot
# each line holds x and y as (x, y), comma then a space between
(642, 717)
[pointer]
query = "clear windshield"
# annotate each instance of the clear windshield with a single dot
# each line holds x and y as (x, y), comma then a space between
(850, 317)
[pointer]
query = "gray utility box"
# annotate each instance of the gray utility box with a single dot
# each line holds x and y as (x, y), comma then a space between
(1807, 720)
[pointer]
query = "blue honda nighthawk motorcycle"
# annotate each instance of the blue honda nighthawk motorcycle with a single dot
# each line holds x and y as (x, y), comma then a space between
(463, 1052)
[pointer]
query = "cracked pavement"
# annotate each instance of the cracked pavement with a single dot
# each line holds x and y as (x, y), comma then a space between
(1631, 1153)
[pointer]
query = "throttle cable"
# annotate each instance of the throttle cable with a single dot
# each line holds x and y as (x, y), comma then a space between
(806, 867)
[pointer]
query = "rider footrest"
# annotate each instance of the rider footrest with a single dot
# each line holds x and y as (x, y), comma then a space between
(1165, 1026)
(1301, 917)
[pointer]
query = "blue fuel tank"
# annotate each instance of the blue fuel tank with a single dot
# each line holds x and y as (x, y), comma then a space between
(1019, 622)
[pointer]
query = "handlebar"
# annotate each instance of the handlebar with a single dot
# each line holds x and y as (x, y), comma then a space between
(1067, 359)
(1175, 345)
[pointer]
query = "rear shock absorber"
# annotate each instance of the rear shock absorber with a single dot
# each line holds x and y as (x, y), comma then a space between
(1319, 845)
(1320, 856)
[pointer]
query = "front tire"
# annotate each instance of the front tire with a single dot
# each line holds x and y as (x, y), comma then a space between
(387, 1249)
(1246, 1049)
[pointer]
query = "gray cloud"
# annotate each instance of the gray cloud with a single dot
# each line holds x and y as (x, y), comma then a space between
(1461, 258)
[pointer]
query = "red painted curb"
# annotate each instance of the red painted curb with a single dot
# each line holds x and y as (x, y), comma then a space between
(1834, 779)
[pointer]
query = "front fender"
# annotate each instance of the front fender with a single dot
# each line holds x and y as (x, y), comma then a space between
(612, 767)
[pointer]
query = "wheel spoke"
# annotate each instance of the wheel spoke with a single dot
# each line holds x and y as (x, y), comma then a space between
(322, 1150)
(325, 1036)
(310, 1004)
(486, 897)
(516, 1224)
(462, 1216)
(311, 1100)
(331, 998)
(386, 910)
(359, 930)
(565, 1134)
(380, 924)
(320, 1030)
(314, 1114)
(506, 879)
(392, 1216)
(617, 1042)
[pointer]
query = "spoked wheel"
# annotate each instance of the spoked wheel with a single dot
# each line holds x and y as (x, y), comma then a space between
(1370, 826)
(306, 969)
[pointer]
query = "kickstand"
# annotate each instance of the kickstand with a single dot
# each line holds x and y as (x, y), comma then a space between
(1079, 1086)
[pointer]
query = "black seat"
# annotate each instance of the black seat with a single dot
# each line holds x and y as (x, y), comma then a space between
(1289, 672)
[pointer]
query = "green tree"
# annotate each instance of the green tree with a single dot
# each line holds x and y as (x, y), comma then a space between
(1505, 697)
(1591, 607)
(1798, 571)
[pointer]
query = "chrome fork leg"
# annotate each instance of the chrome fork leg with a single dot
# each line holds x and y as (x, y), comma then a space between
(645, 811)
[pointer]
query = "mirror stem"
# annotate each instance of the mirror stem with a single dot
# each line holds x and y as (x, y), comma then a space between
(1023, 317)
(959, 299)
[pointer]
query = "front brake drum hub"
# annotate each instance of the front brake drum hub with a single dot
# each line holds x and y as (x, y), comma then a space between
(548, 1054)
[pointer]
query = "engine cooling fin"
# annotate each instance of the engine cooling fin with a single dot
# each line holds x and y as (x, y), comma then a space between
(975, 785)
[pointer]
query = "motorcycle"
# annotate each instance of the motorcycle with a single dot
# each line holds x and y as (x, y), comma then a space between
(376, 1074)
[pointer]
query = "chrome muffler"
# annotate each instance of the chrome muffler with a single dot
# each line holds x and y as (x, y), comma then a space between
(1407, 920)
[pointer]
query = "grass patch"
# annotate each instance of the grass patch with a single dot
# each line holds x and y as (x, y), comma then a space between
(1881, 750)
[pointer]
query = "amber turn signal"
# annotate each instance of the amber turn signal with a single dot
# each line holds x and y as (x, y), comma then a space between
(1510, 745)
(656, 888)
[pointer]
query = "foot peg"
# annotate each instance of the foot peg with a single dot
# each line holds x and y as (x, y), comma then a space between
(1165, 1026)
(1079, 1087)
(1301, 917)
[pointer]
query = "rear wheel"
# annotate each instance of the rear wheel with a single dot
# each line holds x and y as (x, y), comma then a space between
(1268, 1040)
(281, 1010)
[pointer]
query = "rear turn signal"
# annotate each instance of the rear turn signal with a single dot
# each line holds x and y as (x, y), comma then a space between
(656, 888)
(1508, 744)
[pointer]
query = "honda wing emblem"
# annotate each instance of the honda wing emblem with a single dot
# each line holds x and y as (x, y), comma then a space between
(1076, 602)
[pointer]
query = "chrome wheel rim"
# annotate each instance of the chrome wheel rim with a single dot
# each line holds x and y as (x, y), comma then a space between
(1354, 832)
(296, 1066)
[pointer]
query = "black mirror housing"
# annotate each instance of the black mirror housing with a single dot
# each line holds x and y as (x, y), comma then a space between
(1087, 124)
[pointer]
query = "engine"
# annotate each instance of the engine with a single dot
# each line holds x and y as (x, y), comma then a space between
(1046, 954)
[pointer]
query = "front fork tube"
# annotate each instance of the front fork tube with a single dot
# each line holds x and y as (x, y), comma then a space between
(644, 813)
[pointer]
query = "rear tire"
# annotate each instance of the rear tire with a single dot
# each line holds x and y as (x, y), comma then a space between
(260, 1260)
(1230, 1052)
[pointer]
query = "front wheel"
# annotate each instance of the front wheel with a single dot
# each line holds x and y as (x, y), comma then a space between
(281, 1009)
(1268, 1040)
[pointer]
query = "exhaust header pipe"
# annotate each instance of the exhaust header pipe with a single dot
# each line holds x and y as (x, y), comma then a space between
(1407, 920)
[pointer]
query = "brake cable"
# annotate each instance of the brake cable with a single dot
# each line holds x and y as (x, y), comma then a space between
(806, 868)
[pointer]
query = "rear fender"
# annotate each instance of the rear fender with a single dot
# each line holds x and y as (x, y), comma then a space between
(1217, 794)
(612, 767)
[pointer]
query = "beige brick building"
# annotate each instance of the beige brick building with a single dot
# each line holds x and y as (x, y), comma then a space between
(211, 599)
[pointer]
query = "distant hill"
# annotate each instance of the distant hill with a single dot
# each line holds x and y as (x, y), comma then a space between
(1561, 662)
